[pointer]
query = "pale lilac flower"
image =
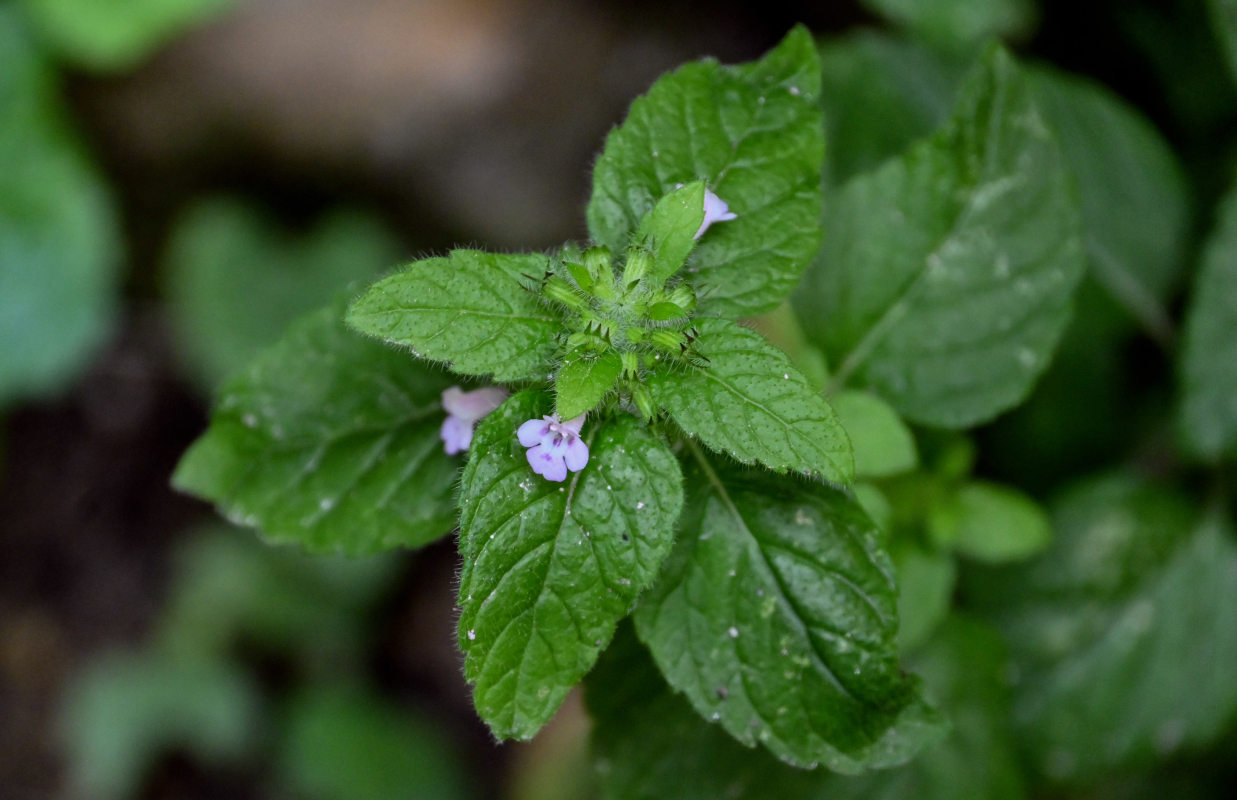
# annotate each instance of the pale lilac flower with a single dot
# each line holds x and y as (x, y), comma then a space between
(554, 447)
(715, 210)
(464, 410)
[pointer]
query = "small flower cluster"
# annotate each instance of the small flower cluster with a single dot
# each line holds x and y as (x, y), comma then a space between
(464, 411)
(555, 447)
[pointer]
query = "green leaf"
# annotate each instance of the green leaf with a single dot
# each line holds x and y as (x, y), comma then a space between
(882, 443)
(583, 380)
(669, 230)
(650, 744)
(965, 669)
(550, 568)
(469, 309)
(118, 34)
(235, 279)
(1224, 22)
(59, 239)
(753, 133)
(125, 710)
(1119, 631)
(991, 523)
(958, 23)
(329, 441)
(749, 402)
(1134, 204)
(776, 616)
(345, 743)
(926, 581)
(880, 94)
(946, 281)
(230, 587)
(1208, 415)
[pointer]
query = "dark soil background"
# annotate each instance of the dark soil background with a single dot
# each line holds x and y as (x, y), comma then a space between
(458, 122)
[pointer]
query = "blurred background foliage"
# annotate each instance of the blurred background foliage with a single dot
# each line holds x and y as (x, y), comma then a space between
(181, 178)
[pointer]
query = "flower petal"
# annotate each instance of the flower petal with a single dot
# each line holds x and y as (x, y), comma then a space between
(456, 435)
(472, 406)
(547, 464)
(574, 425)
(533, 432)
(453, 400)
(576, 456)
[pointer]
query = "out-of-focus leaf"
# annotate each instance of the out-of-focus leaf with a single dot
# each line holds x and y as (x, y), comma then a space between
(990, 522)
(947, 277)
(113, 35)
(235, 279)
(1209, 367)
(342, 744)
(925, 592)
(880, 93)
(229, 584)
(1122, 632)
(882, 443)
(958, 23)
(124, 711)
(1134, 204)
(1224, 22)
(59, 244)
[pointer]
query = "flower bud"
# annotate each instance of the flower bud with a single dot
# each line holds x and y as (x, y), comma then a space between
(668, 340)
(638, 262)
(683, 297)
(631, 363)
(560, 291)
(644, 401)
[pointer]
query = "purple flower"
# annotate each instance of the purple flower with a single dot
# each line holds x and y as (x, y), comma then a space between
(554, 447)
(715, 210)
(464, 410)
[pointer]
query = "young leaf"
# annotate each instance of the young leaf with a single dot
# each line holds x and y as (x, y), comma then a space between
(991, 523)
(1208, 414)
(330, 441)
(469, 309)
(583, 380)
(651, 745)
(882, 443)
(947, 280)
(59, 239)
(1134, 205)
(753, 133)
(550, 568)
(749, 402)
(1120, 631)
(776, 616)
(669, 230)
